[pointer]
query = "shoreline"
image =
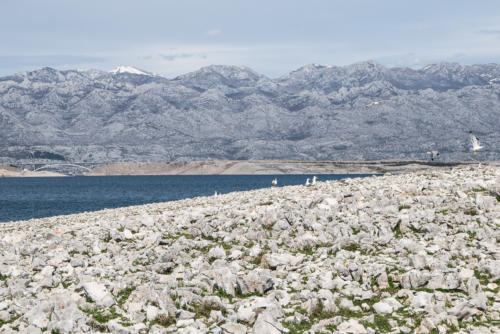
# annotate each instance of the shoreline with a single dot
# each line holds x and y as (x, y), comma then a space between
(10, 171)
(393, 253)
(271, 167)
(254, 167)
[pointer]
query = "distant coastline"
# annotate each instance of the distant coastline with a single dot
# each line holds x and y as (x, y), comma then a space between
(10, 171)
(251, 167)
(269, 167)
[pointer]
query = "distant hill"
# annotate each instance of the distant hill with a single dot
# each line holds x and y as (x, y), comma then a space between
(363, 111)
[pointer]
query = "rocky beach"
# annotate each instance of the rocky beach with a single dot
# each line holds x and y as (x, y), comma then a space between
(410, 253)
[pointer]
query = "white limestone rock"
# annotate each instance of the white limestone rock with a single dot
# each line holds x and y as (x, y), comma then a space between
(98, 293)
(352, 326)
(382, 308)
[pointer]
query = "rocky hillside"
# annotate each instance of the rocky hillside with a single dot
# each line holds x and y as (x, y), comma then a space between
(414, 253)
(359, 112)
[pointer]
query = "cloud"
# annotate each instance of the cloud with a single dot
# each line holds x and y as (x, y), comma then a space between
(172, 57)
(214, 32)
(47, 60)
(490, 31)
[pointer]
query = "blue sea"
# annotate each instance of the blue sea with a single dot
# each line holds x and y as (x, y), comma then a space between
(26, 198)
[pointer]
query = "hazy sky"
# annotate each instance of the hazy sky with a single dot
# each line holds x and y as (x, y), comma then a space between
(272, 37)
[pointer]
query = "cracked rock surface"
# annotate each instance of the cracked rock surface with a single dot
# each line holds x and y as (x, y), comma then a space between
(411, 253)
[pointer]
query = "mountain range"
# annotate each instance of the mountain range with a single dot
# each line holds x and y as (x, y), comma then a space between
(363, 111)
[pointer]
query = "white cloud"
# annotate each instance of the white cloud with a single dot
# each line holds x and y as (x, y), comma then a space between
(214, 32)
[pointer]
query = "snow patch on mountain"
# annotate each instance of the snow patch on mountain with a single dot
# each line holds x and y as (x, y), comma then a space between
(130, 70)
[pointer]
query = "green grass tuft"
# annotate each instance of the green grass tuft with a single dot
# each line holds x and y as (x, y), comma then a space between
(123, 295)
(163, 320)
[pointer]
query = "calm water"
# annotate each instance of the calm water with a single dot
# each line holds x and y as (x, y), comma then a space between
(25, 198)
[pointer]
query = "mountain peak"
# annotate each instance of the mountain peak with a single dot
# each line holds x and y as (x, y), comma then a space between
(129, 70)
(217, 75)
(369, 65)
(228, 70)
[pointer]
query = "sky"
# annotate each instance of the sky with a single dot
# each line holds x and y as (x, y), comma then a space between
(272, 37)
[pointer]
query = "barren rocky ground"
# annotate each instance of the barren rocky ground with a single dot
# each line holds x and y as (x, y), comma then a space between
(392, 254)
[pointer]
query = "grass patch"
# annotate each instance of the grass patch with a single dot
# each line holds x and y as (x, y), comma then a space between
(66, 283)
(331, 327)
(163, 320)
(249, 244)
(318, 313)
(451, 291)
(123, 295)
(294, 328)
(351, 247)
(406, 314)
(397, 230)
(332, 252)
(414, 229)
(355, 230)
(203, 310)
(107, 238)
(392, 289)
(258, 259)
(10, 320)
(443, 212)
(369, 302)
(404, 207)
(247, 295)
(223, 294)
(471, 212)
(484, 279)
(3, 278)
(307, 251)
(347, 313)
(380, 324)
(102, 316)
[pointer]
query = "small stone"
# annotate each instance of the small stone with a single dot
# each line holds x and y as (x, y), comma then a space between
(234, 328)
(382, 308)
(216, 253)
(352, 326)
(266, 324)
(465, 274)
(421, 300)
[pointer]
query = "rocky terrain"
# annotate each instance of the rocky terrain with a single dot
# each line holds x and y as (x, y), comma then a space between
(363, 111)
(413, 253)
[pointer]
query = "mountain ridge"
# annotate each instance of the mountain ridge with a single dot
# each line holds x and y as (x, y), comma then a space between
(362, 111)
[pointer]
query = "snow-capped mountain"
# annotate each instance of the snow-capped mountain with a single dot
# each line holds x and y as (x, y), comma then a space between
(362, 111)
(129, 70)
